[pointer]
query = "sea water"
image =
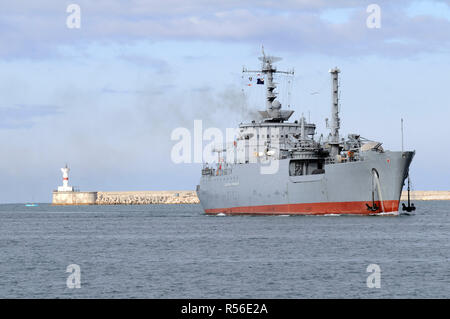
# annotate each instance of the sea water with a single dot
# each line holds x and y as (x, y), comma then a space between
(176, 251)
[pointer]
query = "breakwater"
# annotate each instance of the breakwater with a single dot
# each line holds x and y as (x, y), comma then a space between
(124, 198)
(74, 198)
(426, 195)
(147, 197)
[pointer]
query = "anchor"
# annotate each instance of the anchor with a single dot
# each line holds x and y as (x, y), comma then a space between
(375, 180)
(374, 206)
(410, 206)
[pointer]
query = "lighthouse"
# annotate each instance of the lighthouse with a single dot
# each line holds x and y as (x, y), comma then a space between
(65, 188)
(69, 195)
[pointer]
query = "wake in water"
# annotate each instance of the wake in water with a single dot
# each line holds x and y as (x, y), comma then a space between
(388, 214)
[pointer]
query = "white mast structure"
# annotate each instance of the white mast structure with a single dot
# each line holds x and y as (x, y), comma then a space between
(65, 188)
(335, 120)
(273, 112)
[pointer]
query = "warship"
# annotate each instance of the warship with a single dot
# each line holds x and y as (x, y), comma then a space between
(279, 167)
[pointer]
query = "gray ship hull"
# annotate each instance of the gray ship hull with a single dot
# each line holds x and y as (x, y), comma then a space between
(343, 188)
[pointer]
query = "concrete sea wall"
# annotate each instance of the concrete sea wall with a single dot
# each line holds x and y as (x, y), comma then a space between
(426, 195)
(74, 198)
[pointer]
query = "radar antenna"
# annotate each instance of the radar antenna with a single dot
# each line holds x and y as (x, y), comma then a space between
(273, 112)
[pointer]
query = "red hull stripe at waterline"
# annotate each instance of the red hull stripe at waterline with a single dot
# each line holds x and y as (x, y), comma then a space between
(359, 208)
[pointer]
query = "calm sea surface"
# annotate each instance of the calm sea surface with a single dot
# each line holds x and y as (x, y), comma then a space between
(175, 251)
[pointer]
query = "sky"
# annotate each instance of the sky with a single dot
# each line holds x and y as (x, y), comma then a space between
(105, 97)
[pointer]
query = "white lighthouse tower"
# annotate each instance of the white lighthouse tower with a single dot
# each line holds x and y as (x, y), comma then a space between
(65, 188)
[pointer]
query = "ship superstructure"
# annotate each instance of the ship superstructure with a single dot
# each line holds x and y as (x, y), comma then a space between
(277, 166)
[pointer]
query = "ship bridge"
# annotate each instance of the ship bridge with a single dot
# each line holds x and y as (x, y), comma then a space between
(259, 140)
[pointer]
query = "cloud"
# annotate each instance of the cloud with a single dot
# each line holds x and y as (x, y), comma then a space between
(24, 115)
(107, 90)
(202, 89)
(158, 65)
(38, 31)
(120, 100)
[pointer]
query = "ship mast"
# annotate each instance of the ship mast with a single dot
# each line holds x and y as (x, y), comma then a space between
(273, 106)
(268, 69)
(335, 120)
